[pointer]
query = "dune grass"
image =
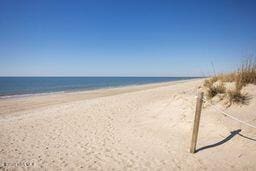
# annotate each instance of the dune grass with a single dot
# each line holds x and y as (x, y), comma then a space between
(244, 75)
(214, 90)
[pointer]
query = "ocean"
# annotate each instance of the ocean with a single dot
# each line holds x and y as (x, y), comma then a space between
(10, 86)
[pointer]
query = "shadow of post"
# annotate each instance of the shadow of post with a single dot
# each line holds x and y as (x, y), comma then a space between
(232, 134)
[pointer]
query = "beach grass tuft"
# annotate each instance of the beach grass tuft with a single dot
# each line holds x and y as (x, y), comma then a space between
(244, 75)
(213, 90)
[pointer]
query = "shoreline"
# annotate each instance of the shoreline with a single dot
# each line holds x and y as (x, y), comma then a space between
(24, 103)
(17, 96)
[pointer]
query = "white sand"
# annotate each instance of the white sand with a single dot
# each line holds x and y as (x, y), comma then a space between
(133, 128)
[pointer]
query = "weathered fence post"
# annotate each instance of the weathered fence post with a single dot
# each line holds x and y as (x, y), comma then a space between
(199, 103)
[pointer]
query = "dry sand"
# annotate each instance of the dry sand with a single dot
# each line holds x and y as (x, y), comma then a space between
(132, 128)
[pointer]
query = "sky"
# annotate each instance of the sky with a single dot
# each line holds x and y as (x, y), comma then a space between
(125, 37)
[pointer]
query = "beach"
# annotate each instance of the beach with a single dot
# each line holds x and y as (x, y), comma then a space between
(144, 127)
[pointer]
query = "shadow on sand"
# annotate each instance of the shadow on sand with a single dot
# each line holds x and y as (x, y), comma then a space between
(232, 134)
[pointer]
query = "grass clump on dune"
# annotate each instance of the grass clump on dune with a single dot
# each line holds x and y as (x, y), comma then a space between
(245, 74)
(236, 97)
(213, 90)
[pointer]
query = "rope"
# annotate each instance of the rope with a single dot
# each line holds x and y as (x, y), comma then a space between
(232, 117)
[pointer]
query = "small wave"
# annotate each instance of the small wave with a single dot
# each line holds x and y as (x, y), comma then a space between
(28, 95)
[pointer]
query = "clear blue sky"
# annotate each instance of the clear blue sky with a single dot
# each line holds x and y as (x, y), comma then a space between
(124, 38)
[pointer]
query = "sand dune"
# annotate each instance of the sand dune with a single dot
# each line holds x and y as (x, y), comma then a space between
(132, 128)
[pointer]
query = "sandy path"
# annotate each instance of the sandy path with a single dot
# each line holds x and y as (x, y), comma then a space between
(146, 129)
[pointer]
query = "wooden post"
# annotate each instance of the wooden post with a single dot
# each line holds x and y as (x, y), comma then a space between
(199, 103)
